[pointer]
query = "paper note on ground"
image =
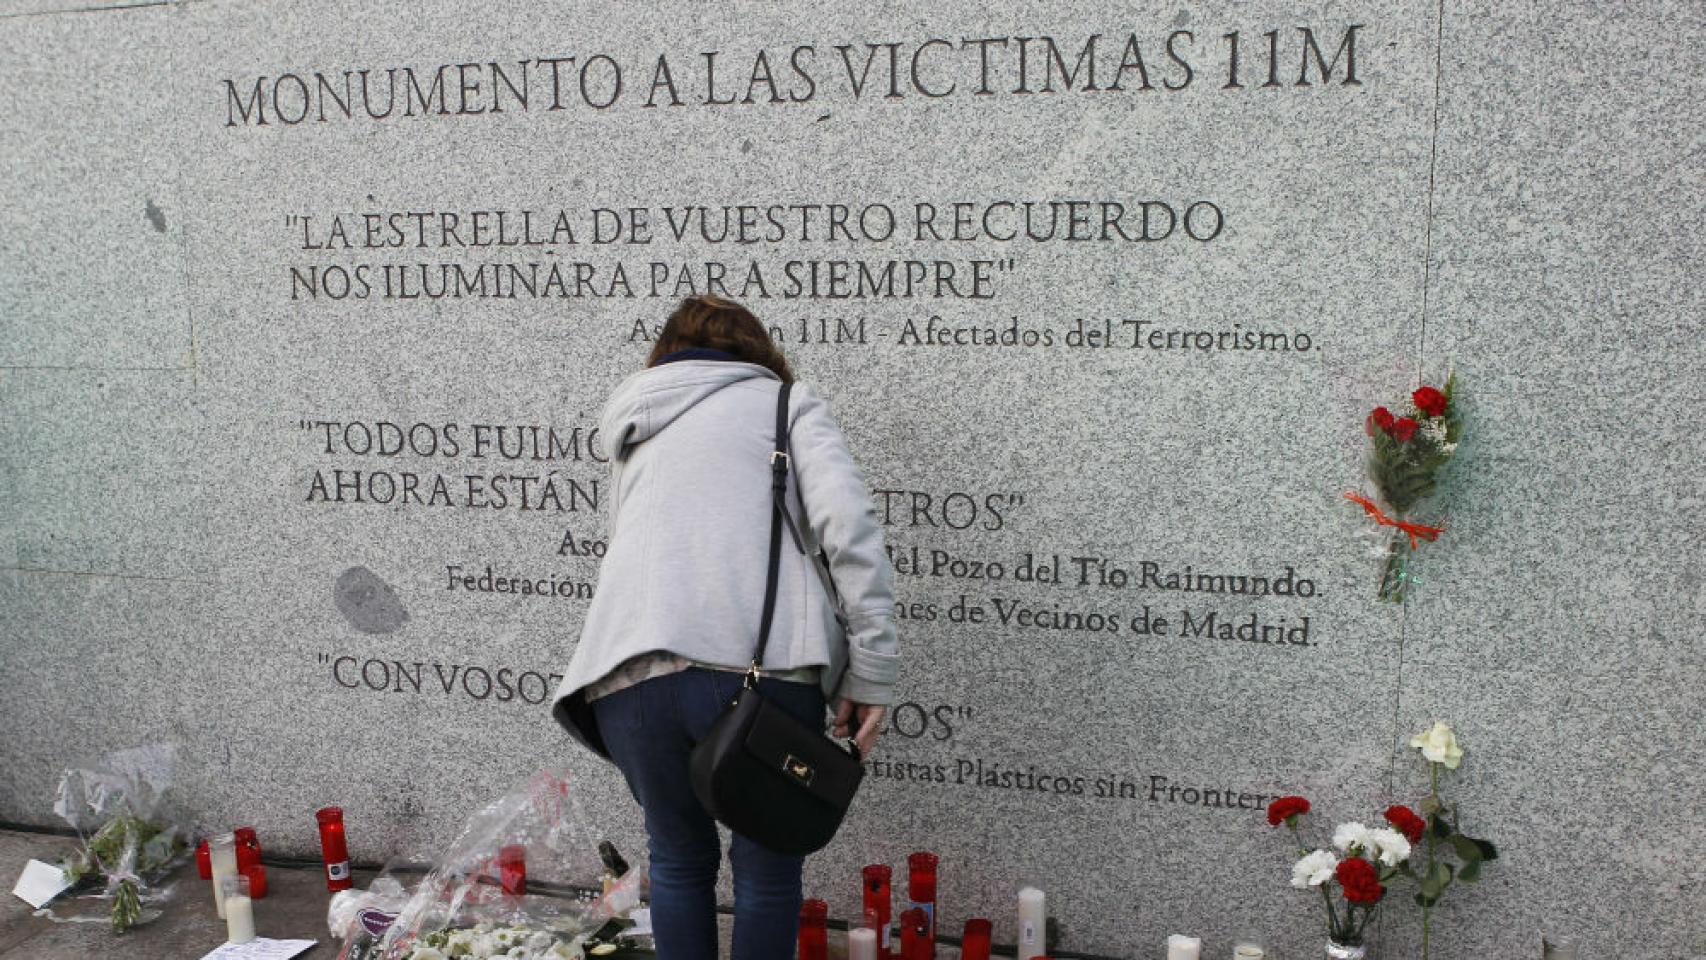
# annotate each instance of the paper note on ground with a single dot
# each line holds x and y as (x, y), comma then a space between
(260, 948)
(39, 883)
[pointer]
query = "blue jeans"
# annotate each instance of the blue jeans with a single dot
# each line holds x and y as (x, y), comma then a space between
(650, 729)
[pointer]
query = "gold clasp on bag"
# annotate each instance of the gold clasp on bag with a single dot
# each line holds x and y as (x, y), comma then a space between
(798, 769)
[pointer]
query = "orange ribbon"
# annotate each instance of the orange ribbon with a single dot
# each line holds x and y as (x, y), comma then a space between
(1415, 531)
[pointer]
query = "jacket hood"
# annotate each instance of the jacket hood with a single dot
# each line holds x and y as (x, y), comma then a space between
(652, 399)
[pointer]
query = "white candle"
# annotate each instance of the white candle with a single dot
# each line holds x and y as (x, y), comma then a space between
(1248, 951)
(1181, 947)
(1033, 923)
(239, 918)
(222, 856)
(861, 944)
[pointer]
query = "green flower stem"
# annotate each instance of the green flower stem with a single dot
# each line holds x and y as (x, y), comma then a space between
(1326, 898)
(1397, 573)
(1428, 907)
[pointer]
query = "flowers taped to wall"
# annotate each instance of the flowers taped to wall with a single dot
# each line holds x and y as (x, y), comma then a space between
(1406, 456)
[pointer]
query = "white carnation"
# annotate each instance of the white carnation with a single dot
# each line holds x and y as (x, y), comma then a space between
(1314, 869)
(1393, 846)
(1350, 836)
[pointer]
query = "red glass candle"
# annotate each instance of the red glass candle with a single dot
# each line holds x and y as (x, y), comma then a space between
(879, 901)
(915, 935)
(974, 943)
(249, 861)
(814, 930)
(512, 869)
(921, 890)
(257, 875)
(333, 849)
(203, 861)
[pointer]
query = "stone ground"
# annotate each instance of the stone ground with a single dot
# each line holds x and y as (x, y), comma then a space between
(294, 909)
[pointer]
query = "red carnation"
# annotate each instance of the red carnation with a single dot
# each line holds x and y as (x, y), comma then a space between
(1405, 821)
(1361, 883)
(1285, 808)
(1403, 429)
(1429, 401)
(1382, 418)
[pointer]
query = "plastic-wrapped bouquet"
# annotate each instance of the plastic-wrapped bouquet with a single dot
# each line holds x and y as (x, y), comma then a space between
(1405, 457)
(524, 879)
(130, 841)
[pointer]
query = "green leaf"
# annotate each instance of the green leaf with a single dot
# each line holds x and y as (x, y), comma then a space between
(1488, 851)
(1466, 848)
(1471, 872)
(1429, 806)
(1440, 827)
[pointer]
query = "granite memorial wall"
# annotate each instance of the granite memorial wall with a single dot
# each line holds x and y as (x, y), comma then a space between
(309, 312)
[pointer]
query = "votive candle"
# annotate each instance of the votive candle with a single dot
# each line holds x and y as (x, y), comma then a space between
(239, 910)
(862, 943)
(1181, 947)
(914, 935)
(512, 869)
(879, 900)
(333, 848)
(814, 931)
(921, 888)
(222, 860)
(1033, 923)
(974, 942)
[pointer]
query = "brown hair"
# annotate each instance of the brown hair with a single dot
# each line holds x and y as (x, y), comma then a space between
(719, 324)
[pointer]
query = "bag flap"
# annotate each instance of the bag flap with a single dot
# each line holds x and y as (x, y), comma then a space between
(803, 756)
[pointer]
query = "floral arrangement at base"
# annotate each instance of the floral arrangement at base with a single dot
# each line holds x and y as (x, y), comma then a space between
(131, 842)
(1360, 863)
(1404, 461)
(1427, 848)
(484, 941)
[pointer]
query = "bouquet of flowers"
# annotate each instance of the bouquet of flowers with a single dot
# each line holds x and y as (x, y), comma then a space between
(1404, 462)
(129, 842)
(1359, 864)
(563, 900)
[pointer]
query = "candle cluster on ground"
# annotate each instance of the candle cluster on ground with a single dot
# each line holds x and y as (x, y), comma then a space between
(879, 934)
(232, 862)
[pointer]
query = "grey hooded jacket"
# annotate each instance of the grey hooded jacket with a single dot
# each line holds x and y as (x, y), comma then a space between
(689, 538)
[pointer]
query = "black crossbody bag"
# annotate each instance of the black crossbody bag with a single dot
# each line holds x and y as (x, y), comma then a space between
(760, 772)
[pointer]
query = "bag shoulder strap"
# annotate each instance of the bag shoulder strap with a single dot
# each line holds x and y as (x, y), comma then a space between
(778, 495)
(780, 462)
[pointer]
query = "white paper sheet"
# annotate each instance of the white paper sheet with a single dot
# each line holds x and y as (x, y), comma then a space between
(260, 948)
(39, 883)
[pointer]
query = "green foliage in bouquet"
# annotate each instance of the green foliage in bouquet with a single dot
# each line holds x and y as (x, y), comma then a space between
(1409, 451)
(124, 850)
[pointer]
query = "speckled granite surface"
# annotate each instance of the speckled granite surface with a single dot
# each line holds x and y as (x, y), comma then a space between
(211, 442)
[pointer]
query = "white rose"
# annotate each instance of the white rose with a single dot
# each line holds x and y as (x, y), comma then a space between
(1313, 869)
(1350, 835)
(1439, 745)
(1394, 847)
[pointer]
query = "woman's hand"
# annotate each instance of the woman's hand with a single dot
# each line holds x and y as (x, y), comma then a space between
(870, 718)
